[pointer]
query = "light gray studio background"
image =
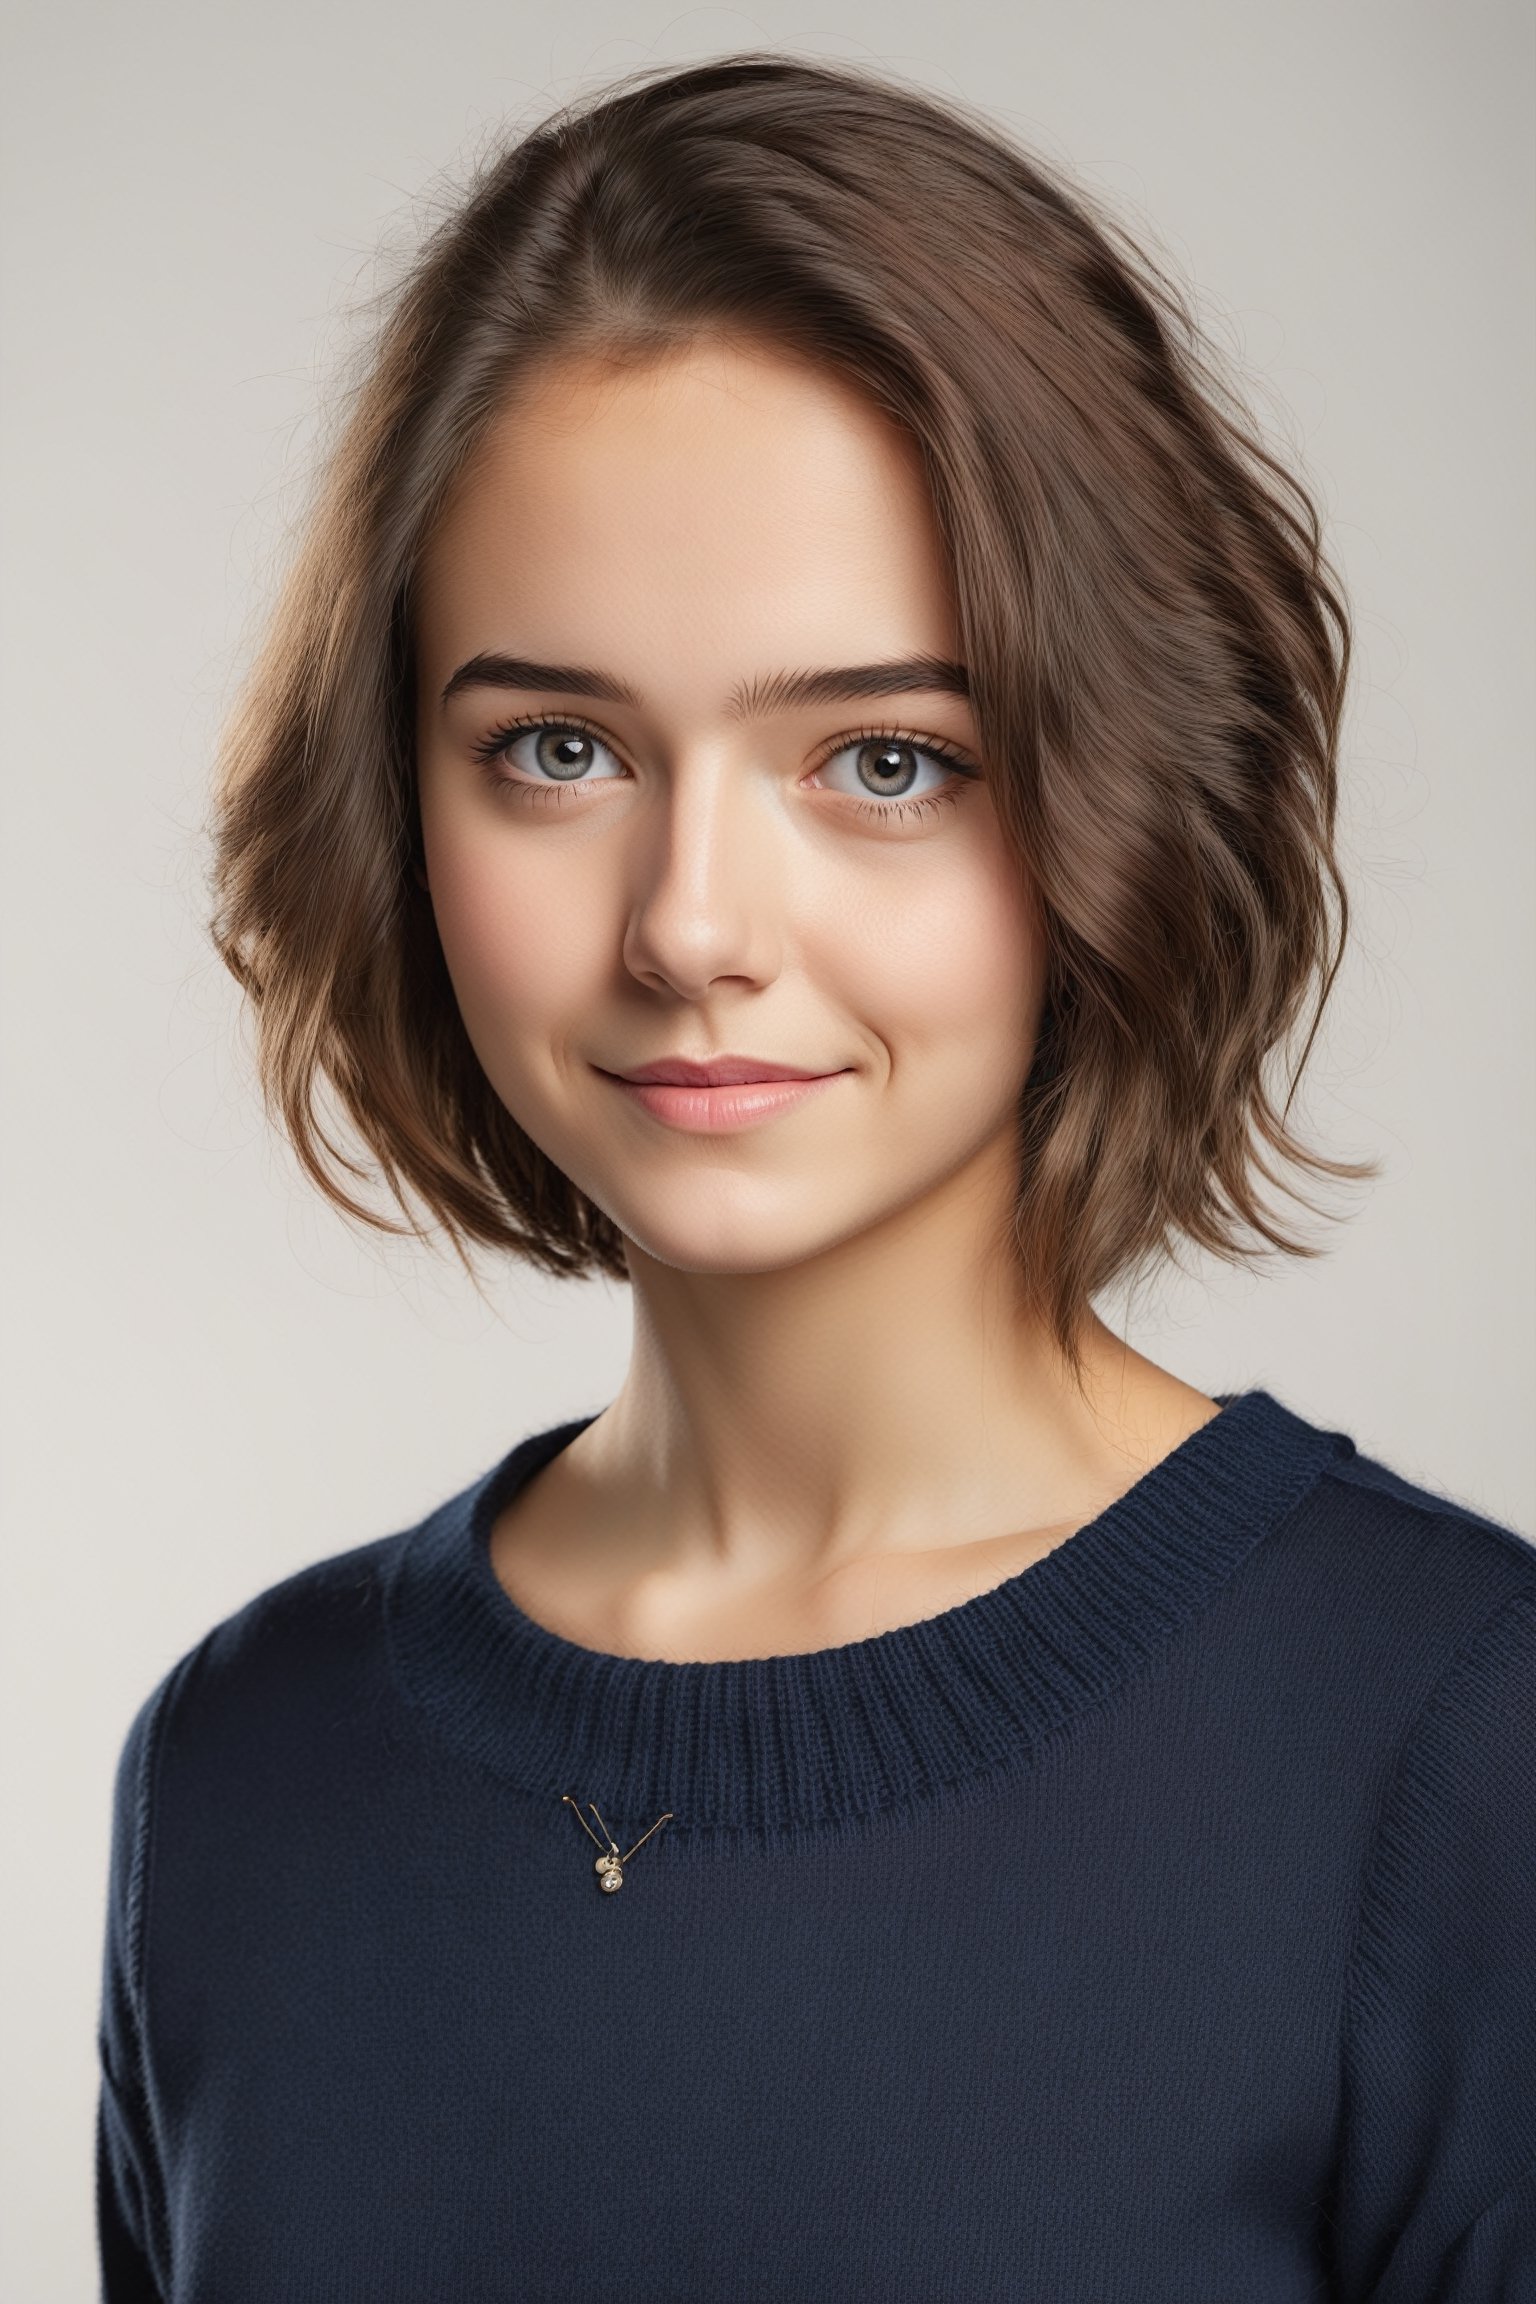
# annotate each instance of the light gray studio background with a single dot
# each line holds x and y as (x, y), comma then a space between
(208, 1382)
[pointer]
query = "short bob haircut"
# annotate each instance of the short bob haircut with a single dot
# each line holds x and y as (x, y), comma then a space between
(1156, 644)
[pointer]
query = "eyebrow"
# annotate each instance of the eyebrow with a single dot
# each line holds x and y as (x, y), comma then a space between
(772, 692)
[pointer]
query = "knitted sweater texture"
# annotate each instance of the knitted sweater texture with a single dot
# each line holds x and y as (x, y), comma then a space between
(1158, 1927)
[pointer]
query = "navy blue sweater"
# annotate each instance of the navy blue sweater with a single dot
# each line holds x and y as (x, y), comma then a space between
(1156, 1928)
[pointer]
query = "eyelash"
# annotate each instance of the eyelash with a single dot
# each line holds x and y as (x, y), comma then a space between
(933, 748)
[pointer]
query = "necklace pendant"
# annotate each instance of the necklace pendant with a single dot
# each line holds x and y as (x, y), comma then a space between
(610, 1864)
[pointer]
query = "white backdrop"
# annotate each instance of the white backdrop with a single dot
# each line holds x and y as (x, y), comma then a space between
(208, 1382)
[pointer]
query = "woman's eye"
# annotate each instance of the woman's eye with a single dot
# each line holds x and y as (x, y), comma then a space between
(886, 773)
(890, 768)
(554, 753)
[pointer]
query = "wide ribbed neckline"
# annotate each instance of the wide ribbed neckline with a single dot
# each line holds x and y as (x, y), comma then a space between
(775, 1743)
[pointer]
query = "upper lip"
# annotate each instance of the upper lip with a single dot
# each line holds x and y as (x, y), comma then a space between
(719, 1072)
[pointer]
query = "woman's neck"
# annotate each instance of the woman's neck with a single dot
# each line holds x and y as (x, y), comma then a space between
(824, 1450)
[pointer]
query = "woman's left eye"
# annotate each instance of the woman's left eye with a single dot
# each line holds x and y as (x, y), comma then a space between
(887, 770)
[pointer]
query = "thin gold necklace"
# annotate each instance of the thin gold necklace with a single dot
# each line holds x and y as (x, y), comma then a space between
(610, 1864)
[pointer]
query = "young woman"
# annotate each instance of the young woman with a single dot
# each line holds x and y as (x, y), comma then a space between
(796, 767)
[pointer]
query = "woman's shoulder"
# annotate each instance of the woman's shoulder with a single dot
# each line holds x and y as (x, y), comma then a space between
(308, 1648)
(279, 1655)
(1436, 2031)
(1386, 1510)
(277, 1712)
(1371, 1476)
(1405, 1580)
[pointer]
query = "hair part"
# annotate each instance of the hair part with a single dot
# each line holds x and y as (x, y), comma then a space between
(1157, 646)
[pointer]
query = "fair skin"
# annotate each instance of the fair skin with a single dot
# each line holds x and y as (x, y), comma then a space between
(838, 1416)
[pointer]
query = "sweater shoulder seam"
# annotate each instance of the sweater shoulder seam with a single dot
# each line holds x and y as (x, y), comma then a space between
(1366, 1472)
(1516, 1605)
(145, 1817)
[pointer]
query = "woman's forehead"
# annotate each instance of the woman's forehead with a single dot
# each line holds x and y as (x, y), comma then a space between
(707, 427)
(740, 504)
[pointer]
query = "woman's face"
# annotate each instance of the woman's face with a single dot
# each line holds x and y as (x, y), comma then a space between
(685, 849)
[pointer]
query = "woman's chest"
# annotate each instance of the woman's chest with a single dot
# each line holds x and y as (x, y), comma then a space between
(975, 2053)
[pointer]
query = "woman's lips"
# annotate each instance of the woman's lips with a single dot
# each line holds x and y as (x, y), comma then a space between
(703, 1111)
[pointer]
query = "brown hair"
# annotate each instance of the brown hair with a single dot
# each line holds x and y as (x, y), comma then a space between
(1156, 643)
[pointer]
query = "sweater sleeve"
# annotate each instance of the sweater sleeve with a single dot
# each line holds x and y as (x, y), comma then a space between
(129, 2188)
(1436, 2201)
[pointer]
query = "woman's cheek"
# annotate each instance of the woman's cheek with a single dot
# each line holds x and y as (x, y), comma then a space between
(509, 932)
(957, 960)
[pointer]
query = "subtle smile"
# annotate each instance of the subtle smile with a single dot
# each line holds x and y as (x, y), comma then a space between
(705, 1106)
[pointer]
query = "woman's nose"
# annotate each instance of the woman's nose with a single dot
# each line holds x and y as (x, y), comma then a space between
(706, 880)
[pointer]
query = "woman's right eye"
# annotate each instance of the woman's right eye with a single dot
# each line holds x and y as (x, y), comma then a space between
(549, 752)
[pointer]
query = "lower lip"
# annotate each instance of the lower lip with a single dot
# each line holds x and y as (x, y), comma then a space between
(705, 1111)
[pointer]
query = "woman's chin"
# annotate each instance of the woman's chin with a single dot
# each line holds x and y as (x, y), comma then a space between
(742, 1243)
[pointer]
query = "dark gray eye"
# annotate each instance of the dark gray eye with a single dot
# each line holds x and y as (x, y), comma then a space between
(553, 752)
(888, 768)
(566, 753)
